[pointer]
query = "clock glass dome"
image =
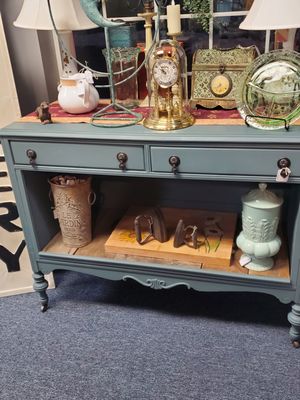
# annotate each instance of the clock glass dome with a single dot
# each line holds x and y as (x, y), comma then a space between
(167, 87)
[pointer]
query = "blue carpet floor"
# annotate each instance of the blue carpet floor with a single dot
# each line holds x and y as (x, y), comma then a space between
(103, 340)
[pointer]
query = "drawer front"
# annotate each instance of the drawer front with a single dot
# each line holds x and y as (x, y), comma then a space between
(223, 161)
(79, 155)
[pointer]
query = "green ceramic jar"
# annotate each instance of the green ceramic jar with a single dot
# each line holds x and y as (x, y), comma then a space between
(260, 217)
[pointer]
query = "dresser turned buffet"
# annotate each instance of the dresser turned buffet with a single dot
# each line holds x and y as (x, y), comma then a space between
(198, 168)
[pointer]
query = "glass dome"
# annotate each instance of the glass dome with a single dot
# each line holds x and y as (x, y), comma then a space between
(167, 87)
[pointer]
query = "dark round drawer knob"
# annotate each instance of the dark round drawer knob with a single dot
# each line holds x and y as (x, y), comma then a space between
(284, 163)
(174, 161)
(31, 154)
(122, 158)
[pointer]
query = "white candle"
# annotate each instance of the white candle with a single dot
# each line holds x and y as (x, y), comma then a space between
(173, 18)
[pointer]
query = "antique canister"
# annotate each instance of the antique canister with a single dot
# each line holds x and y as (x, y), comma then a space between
(259, 240)
(73, 198)
(122, 36)
(124, 61)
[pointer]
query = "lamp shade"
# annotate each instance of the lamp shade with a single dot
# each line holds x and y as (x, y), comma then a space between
(67, 15)
(272, 14)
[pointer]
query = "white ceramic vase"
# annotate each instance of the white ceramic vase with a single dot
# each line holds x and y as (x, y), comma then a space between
(77, 94)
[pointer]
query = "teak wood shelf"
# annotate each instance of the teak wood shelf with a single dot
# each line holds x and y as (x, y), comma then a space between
(97, 249)
(217, 165)
(103, 230)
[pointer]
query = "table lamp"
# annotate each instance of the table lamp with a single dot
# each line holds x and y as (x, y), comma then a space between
(68, 16)
(274, 15)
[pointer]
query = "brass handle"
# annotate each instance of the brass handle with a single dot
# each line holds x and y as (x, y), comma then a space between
(284, 163)
(31, 154)
(122, 158)
(174, 161)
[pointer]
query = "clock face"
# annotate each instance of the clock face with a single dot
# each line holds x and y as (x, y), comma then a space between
(165, 72)
(220, 85)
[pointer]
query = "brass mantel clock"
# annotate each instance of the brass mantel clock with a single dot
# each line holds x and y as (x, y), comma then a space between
(167, 87)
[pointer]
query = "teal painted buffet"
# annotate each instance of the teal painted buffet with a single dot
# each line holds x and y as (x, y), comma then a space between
(201, 167)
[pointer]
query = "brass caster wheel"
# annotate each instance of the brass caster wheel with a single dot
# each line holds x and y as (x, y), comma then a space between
(296, 344)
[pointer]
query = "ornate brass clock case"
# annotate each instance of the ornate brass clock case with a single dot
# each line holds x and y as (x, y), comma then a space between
(221, 84)
(167, 88)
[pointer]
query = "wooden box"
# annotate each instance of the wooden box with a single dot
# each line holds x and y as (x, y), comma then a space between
(216, 74)
(122, 240)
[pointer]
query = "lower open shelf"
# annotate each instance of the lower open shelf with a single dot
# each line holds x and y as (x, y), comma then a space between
(103, 230)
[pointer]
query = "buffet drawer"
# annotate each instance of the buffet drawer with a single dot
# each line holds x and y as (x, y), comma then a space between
(78, 155)
(223, 161)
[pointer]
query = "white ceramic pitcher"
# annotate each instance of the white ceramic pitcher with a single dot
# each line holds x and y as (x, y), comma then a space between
(77, 94)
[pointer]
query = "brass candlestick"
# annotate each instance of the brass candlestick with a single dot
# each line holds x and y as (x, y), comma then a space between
(147, 15)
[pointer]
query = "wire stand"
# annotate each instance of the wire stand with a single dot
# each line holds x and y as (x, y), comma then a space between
(113, 108)
(286, 124)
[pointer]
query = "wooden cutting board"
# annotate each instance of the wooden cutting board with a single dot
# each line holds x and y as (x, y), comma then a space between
(214, 252)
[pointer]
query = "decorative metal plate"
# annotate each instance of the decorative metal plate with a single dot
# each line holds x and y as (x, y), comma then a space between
(268, 96)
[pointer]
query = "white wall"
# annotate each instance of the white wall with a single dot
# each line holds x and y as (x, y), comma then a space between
(32, 57)
(9, 105)
(11, 282)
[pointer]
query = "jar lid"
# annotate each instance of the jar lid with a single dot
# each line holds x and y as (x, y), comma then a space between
(262, 198)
